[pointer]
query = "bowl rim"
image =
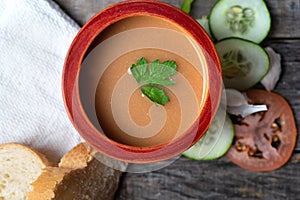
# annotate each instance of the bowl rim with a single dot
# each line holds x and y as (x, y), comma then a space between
(74, 58)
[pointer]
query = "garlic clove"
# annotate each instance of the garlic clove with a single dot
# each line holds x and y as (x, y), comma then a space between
(272, 77)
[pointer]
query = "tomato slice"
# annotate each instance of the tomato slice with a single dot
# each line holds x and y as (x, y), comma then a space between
(264, 141)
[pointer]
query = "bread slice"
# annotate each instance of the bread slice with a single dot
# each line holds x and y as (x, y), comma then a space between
(78, 157)
(79, 176)
(20, 166)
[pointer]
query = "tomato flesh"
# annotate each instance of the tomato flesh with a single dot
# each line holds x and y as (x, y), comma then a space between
(264, 141)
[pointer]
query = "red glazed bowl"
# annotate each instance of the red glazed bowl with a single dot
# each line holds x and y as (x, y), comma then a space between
(84, 42)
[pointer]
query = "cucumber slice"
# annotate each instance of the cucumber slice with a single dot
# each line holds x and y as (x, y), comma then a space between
(247, 19)
(216, 141)
(203, 21)
(244, 63)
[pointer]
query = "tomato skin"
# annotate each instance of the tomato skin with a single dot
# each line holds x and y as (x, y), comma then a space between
(264, 141)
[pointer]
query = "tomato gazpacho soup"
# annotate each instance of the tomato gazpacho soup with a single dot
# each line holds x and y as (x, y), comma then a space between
(112, 97)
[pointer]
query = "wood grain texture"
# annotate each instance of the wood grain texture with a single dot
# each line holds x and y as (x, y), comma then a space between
(221, 179)
(285, 14)
(82, 10)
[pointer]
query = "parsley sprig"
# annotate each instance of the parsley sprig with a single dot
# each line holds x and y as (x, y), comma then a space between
(154, 74)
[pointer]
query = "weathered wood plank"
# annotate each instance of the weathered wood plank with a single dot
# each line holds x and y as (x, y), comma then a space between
(186, 179)
(82, 10)
(285, 14)
(285, 18)
(220, 179)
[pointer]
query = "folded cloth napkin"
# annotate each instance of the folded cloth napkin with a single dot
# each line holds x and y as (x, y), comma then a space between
(34, 39)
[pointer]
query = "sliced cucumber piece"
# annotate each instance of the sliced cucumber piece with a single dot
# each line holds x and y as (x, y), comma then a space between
(203, 21)
(247, 19)
(244, 63)
(216, 141)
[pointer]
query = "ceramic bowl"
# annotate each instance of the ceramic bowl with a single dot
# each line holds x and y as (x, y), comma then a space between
(86, 39)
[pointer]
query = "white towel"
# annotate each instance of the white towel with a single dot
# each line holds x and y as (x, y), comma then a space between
(34, 38)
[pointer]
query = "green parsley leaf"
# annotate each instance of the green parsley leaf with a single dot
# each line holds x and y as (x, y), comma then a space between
(154, 74)
(186, 6)
(170, 63)
(141, 61)
(155, 94)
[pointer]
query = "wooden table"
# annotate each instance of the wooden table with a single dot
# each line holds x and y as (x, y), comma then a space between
(221, 179)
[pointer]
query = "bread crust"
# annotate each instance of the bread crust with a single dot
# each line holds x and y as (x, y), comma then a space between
(46, 183)
(78, 157)
(44, 187)
(79, 176)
